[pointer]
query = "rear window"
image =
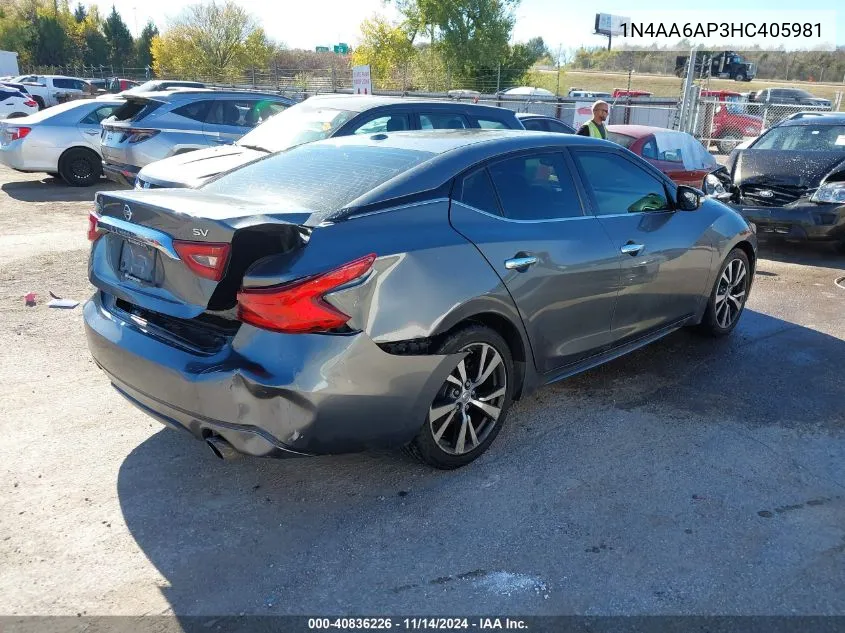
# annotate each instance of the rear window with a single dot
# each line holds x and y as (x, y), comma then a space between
(321, 179)
(620, 139)
(136, 110)
(8, 94)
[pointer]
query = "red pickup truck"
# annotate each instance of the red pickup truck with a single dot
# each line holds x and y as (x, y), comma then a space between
(730, 123)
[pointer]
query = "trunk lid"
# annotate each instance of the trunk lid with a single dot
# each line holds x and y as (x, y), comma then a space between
(140, 254)
(193, 168)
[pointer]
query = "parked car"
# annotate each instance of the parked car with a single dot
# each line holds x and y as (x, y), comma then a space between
(577, 93)
(618, 93)
(15, 104)
(158, 85)
(542, 123)
(156, 125)
(19, 87)
(62, 141)
(321, 117)
(791, 180)
(730, 122)
(678, 155)
(116, 85)
(98, 85)
(787, 96)
(400, 288)
(50, 90)
(528, 91)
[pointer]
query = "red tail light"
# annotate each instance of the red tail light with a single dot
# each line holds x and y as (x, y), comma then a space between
(16, 133)
(29, 103)
(134, 135)
(206, 259)
(93, 228)
(298, 306)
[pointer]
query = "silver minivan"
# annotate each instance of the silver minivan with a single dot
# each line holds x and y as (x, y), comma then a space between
(156, 125)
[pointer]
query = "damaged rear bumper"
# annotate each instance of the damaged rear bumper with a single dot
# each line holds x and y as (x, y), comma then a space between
(270, 394)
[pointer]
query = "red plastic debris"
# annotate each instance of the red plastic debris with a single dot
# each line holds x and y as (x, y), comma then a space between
(30, 299)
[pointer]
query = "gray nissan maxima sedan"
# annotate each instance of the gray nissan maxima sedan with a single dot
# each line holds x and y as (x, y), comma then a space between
(400, 288)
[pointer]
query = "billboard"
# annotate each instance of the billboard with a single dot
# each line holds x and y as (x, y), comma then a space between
(607, 24)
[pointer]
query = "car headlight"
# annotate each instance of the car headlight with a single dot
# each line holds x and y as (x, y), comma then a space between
(713, 186)
(830, 192)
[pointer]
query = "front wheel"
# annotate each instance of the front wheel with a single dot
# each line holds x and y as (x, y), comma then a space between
(730, 292)
(470, 407)
(740, 77)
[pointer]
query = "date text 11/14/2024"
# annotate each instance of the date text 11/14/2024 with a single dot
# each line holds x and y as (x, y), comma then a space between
(418, 624)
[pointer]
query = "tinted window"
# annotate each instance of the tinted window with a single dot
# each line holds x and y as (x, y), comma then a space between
(317, 178)
(650, 149)
(535, 125)
(804, 138)
(560, 128)
(476, 190)
(490, 124)
(94, 117)
(196, 111)
(442, 121)
(238, 113)
(80, 85)
(4, 94)
(535, 187)
(619, 186)
(58, 82)
(386, 123)
(620, 139)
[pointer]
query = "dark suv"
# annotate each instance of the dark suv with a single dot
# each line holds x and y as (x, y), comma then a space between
(320, 117)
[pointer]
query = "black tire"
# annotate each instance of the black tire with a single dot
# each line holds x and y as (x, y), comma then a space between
(426, 446)
(728, 142)
(80, 167)
(54, 174)
(740, 77)
(728, 286)
(39, 101)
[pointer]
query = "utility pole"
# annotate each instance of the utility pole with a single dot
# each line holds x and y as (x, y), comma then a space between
(559, 49)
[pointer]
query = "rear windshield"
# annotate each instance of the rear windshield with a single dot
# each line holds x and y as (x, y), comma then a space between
(317, 178)
(620, 139)
(297, 125)
(136, 110)
(804, 138)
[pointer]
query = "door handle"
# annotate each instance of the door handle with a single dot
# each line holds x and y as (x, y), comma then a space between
(93, 132)
(520, 263)
(632, 249)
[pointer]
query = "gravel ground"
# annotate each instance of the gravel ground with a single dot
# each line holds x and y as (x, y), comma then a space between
(690, 477)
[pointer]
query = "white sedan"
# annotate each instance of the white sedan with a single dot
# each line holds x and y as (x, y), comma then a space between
(63, 140)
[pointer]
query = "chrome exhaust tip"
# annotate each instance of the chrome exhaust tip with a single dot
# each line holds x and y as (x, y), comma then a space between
(221, 448)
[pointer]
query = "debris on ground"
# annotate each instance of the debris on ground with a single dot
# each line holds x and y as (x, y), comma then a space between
(67, 304)
(29, 299)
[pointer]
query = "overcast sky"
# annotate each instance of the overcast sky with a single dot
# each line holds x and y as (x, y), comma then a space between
(568, 23)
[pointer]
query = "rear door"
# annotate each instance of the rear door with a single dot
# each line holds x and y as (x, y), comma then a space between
(443, 121)
(89, 127)
(665, 254)
(229, 119)
(525, 215)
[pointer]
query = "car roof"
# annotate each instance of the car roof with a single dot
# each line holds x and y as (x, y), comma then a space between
(362, 103)
(177, 93)
(828, 118)
(639, 131)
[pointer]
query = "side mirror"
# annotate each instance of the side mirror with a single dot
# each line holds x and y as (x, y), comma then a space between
(687, 198)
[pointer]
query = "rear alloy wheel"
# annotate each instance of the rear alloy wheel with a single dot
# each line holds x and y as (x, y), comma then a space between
(80, 167)
(740, 76)
(729, 295)
(728, 142)
(471, 405)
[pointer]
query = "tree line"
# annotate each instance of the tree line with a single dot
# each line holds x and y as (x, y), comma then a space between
(776, 65)
(50, 33)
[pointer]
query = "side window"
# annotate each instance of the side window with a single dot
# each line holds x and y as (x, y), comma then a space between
(619, 186)
(560, 128)
(386, 123)
(6, 95)
(62, 83)
(263, 110)
(196, 111)
(650, 148)
(536, 125)
(443, 121)
(476, 190)
(234, 112)
(536, 187)
(80, 85)
(95, 116)
(490, 124)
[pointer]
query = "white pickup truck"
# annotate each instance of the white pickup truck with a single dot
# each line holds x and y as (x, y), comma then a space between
(50, 90)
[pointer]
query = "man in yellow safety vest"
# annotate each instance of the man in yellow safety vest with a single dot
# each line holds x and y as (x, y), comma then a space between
(595, 126)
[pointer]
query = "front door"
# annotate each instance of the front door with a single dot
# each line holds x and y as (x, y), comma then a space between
(525, 215)
(665, 254)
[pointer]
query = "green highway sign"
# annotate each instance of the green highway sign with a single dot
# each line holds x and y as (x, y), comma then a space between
(341, 49)
(322, 49)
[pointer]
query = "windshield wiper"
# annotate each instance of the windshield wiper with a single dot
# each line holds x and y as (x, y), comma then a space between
(256, 147)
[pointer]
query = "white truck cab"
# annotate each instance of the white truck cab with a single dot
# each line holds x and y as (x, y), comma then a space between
(50, 90)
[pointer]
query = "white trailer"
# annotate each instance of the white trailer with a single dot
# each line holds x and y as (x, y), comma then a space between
(9, 64)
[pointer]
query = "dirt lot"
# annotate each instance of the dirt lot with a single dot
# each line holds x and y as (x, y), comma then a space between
(691, 477)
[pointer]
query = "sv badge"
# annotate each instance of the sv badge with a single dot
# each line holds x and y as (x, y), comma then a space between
(201, 232)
